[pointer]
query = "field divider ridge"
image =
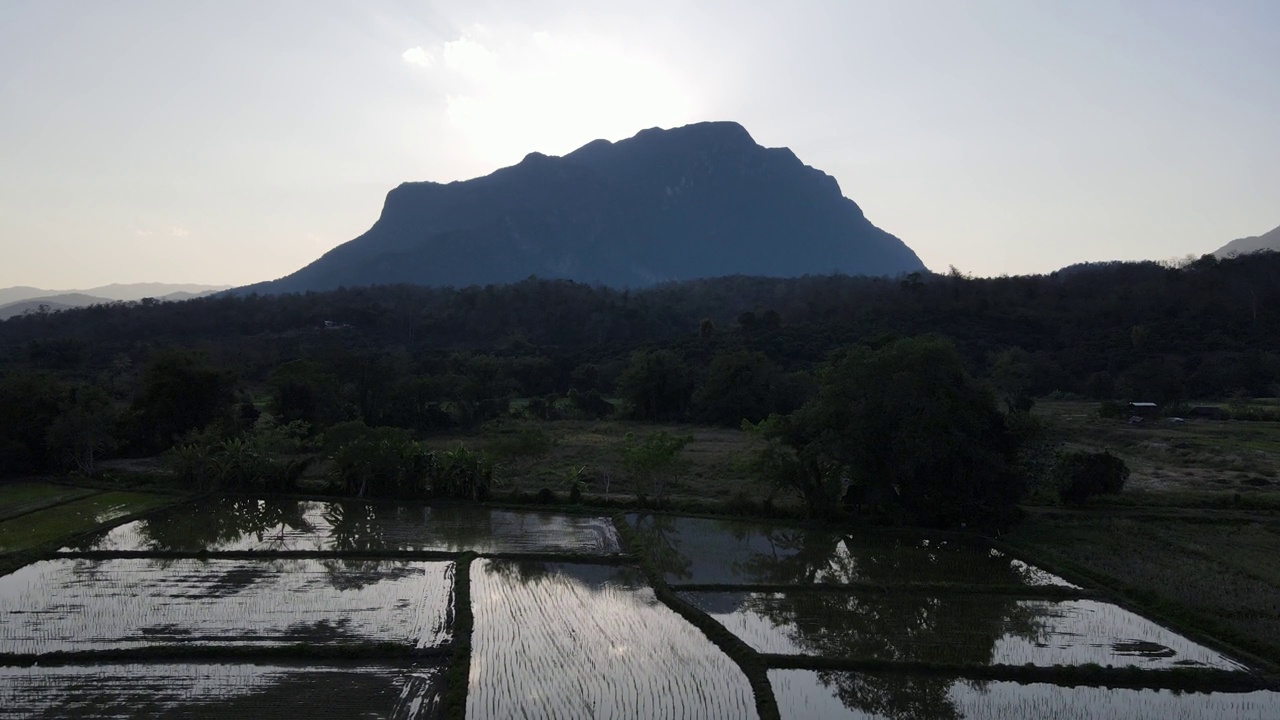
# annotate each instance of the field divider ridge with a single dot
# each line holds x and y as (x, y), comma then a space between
(745, 656)
(457, 675)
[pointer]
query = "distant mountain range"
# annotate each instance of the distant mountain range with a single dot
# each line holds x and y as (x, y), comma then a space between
(23, 299)
(702, 200)
(1268, 241)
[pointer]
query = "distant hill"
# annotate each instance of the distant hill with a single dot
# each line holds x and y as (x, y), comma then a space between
(1244, 246)
(702, 200)
(49, 303)
(115, 291)
(23, 299)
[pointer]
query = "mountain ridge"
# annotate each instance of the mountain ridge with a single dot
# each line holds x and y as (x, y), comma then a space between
(113, 291)
(30, 299)
(1266, 241)
(702, 200)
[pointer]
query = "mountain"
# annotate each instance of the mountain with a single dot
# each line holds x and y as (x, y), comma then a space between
(23, 299)
(21, 292)
(50, 302)
(1243, 246)
(702, 200)
(115, 291)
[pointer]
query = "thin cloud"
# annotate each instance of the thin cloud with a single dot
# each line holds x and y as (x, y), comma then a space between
(417, 57)
(178, 231)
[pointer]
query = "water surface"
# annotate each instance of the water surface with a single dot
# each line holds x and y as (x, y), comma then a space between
(954, 629)
(733, 552)
(576, 641)
(215, 690)
(71, 605)
(243, 524)
(810, 695)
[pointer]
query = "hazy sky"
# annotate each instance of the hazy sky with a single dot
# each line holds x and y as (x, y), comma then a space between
(231, 142)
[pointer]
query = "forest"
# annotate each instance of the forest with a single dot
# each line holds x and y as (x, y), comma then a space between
(385, 366)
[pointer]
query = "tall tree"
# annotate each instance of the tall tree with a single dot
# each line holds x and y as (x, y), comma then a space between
(903, 428)
(657, 385)
(180, 392)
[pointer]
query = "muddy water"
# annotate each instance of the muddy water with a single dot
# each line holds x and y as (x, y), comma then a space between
(956, 629)
(569, 641)
(69, 605)
(268, 525)
(697, 550)
(806, 695)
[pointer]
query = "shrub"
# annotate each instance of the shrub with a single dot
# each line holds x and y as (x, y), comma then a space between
(590, 404)
(1082, 475)
(1112, 409)
(461, 474)
(526, 443)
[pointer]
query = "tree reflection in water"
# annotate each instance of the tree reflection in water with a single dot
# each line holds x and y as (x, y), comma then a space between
(895, 626)
(223, 522)
(659, 540)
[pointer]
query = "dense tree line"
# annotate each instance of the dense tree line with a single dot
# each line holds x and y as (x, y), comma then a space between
(788, 354)
(1204, 329)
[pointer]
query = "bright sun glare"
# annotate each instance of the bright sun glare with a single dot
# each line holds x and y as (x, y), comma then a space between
(510, 93)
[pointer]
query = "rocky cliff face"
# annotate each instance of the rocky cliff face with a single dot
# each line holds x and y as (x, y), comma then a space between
(699, 201)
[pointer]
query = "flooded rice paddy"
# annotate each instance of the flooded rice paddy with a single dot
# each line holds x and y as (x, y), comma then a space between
(806, 694)
(705, 551)
(972, 630)
(322, 610)
(275, 525)
(566, 641)
(80, 605)
(220, 690)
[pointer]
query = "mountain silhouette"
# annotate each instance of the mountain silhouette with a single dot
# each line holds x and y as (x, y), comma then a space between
(702, 200)
(1244, 246)
(109, 293)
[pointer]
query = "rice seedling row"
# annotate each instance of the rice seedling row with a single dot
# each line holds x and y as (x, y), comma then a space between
(81, 605)
(955, 629)
(221, 690)
(580, 642)
(840, 695)
(747, 659)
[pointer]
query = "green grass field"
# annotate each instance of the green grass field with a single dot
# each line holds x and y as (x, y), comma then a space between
(44, 526)
(1217, 574)
(1206, 456)
(714, 460)
(20, 498)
